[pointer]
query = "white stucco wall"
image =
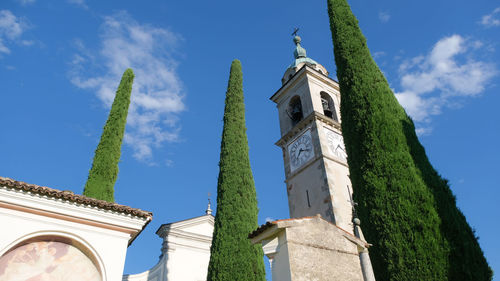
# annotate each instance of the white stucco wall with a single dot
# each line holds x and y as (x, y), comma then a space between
(185, 252)
(104, 234)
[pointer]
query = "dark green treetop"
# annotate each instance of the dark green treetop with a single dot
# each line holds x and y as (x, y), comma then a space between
(232, 256)
(409, 211)
(104, 171)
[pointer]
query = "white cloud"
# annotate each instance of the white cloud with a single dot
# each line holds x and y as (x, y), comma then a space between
(157, 95)
(269, 219)
(11, 28)
(80, 3)
(442, 78)
(491, 19)
(379, 54)
(384, 16)
(27, 42)
(26, 2)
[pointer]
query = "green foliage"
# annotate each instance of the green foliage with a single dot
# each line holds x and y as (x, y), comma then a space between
(466, 259)
(104, 171)
(395, 205)
(232, 256)
(408, 210)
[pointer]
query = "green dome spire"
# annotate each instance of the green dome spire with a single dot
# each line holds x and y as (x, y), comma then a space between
(300, 54)
(300, 60)
(299, 51)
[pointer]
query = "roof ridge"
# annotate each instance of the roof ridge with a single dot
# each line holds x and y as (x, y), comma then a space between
(70, 196)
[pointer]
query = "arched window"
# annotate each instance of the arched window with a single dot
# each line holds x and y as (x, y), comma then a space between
(49, 258)
(295, 110)
(328, 106)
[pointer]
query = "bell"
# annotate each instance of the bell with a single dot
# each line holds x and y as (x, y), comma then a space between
(324, 102)
(297, 116)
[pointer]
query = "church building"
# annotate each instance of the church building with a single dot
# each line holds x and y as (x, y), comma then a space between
(49, 234)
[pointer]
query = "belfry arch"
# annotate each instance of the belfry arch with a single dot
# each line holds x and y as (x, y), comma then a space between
(295, 110)
(328, 106)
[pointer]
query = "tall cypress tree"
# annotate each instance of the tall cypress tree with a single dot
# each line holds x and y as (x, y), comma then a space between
(232, 256)
(409, 210)
(394, 202)
(104, 171)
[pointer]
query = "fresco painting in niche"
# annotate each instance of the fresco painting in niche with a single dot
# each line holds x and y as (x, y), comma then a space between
(47, 261)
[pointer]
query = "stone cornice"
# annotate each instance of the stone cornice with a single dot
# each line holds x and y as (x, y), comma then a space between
(165, 229)
(71, 197)
(59, 208)
(297, 129)
(295, 78)
(188, 236)
(271, 228)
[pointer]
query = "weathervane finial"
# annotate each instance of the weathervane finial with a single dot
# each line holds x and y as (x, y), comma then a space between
(295, 30)
(208, 211)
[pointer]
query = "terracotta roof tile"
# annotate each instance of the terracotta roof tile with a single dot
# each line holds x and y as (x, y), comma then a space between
(70, 196)
(261, 229)
(269, 224)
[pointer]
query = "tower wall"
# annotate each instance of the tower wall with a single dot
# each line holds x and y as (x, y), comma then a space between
(321, 184)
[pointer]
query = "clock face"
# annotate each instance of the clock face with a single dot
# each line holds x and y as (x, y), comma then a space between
(336, 144)
(300, 150)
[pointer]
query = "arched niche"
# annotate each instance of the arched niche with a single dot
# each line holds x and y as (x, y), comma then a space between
(295, 110)
(328, 106)
(50, 257)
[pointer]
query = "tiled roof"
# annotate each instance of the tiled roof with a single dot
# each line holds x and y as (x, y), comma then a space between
(70, 196)
(261, 229)
(268, 224)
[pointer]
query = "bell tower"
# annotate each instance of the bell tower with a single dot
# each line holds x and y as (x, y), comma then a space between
(316, 171)
(321, 235)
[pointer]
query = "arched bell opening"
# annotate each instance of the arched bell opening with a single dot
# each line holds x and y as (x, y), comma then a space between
(328, 106)
(294, 110)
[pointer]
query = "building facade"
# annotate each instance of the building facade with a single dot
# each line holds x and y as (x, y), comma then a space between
(48, 234)
(185, 251)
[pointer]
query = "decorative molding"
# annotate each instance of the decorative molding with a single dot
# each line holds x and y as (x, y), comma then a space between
(304, 69)
(164, 229)
(70, 196)
(189, 236)
(34, 203)
(304, 123)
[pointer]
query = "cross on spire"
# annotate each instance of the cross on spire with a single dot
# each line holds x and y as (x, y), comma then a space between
(294, 33)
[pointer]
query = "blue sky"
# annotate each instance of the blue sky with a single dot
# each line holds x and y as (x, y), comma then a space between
(61, 61)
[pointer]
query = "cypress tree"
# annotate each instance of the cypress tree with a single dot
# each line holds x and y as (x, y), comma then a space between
(104, 171)
(394, 202)
(409, 210)
(232, 256)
